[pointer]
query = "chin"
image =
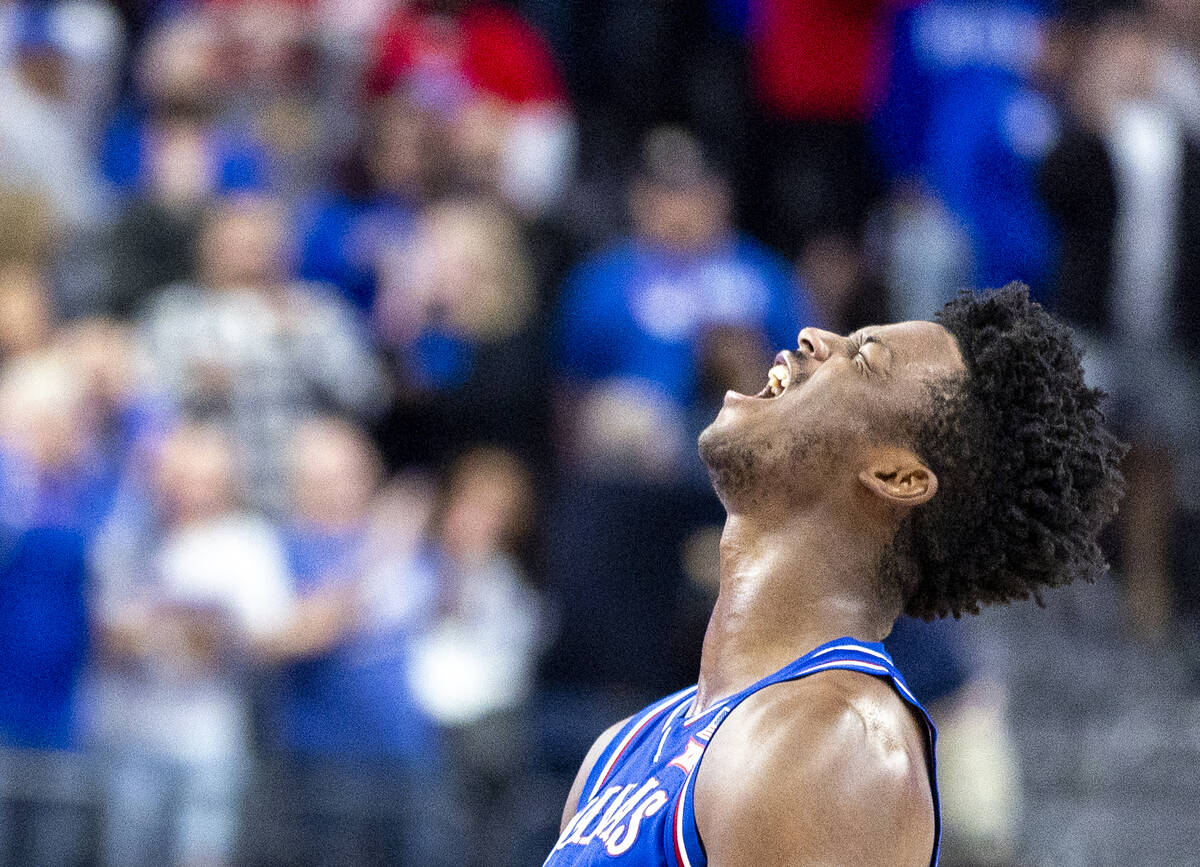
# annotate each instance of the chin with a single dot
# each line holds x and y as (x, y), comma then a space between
(716, 439)
(735, 466)
(751, 463)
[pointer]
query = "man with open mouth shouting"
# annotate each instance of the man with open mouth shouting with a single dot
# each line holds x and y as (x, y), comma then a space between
(922, 468)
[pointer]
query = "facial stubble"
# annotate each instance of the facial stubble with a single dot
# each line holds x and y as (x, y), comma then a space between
(750, 470)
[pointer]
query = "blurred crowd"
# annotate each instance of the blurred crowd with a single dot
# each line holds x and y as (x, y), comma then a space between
(352, 355)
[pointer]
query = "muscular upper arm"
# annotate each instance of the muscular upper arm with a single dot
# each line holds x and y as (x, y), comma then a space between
(825, 772)
(585, 769)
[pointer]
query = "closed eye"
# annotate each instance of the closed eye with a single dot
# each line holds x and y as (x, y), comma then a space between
(854, 350)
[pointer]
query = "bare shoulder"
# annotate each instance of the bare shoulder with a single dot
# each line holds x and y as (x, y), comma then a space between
(589, 761)
(826, 770)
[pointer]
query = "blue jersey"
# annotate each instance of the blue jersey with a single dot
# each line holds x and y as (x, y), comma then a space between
(637, 802)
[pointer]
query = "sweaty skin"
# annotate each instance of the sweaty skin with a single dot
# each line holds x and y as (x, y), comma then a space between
(828, 770)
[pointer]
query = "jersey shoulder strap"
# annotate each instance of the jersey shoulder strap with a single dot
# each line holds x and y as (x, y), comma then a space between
(636, 725)
(843, 653)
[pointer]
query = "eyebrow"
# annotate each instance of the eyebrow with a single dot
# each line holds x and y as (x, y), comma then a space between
(863, 338)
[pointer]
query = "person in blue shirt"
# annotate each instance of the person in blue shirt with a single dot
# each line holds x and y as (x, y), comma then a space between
(343, 692)
(987, 138)
(347, 233)
(965, 115)
(44, 635)
(350, 755)
(644, 309)
(72, 423)
(652, 331)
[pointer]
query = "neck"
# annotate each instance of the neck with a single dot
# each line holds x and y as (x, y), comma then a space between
(786, 588)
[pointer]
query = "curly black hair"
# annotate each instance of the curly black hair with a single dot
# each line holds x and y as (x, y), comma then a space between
(1027, 469)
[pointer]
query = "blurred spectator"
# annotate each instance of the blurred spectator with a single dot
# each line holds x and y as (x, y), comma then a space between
(346, 695)
(89, 38)
(490, 75)
(172, 147)
(249, 345)
(192, 584)
(455, 309)
(347, 234)
(665, 321)
(353, 756)
(73, 414)
(273, 59)
(473, 669)
(53, 471)
(936, 43)
(57, 64)
(1124, 188)
(815, 75)
(987, 135)
(967, 120)
(476, 660)
(177, 132)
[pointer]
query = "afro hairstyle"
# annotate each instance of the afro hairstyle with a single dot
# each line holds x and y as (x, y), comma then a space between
(1027, 470)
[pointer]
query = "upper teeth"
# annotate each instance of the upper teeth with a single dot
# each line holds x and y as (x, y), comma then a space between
(778, 379)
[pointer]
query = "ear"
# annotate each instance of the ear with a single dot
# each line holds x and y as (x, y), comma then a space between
(899, 479)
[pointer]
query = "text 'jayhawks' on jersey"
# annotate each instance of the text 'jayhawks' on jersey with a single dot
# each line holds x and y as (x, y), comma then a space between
(637, 801)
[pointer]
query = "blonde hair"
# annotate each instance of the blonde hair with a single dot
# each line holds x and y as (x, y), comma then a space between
(29, 227)
(468, 257)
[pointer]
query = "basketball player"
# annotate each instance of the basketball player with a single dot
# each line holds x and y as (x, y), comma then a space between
(927, 468)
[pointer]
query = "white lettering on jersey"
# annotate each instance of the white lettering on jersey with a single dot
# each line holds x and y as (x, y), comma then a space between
(616, 817)
(619, 826)
(581, 819)
(606, 819)
(618, 844)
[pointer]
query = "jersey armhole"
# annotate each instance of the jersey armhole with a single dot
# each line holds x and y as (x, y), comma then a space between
(685, 831)
(686, 844)
(930, 759)
(597, 768)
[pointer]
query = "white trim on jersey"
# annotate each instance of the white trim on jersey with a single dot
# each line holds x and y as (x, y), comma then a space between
(854, 647)
(625, 741)
(680, 842)
(667, 729)
(899, 684)
(841, 663)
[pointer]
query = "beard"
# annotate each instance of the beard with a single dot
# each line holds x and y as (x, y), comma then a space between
(749, 469)
(734, 467)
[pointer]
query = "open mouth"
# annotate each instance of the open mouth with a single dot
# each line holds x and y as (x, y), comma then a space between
(779, 377)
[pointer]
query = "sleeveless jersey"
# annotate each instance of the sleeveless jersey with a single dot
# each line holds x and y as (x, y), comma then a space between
(637, 802)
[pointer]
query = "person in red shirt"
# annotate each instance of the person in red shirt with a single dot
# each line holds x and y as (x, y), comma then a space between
(447, 47)
(490, 76)
(816, 69)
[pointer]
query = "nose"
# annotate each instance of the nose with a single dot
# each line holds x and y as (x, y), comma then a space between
(817, 343)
